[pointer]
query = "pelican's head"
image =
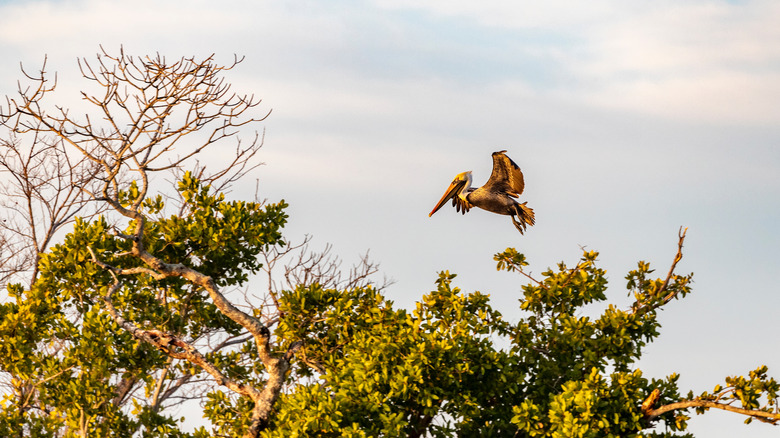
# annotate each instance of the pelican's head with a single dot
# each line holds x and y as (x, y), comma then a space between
(459, 185)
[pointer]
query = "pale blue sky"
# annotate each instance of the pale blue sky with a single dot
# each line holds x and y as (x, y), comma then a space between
(628, 118)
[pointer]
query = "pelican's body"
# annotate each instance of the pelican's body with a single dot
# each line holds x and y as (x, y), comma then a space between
(497, 195)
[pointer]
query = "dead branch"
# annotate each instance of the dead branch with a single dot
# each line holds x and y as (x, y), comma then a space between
(677, 258)
(657, 298)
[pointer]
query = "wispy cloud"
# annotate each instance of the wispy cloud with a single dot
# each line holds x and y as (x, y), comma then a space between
(705, 60)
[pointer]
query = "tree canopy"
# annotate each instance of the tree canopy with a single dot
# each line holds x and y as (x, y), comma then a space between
(128, 292)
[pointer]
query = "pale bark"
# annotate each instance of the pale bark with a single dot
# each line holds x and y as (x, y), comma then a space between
(769, 417)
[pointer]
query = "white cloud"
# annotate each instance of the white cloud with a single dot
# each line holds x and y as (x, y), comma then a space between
(705, 60)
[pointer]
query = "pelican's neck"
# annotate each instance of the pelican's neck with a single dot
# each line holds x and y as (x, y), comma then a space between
(466, 189)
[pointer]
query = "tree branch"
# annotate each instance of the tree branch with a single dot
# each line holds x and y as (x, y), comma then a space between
(677, 258)
(769, 417)
(655, 298)
(168, 343)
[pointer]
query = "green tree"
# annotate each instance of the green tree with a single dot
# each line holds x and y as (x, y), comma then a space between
(142, 302)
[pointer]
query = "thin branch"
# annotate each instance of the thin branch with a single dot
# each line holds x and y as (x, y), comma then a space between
(677, 258)
(769, 417)
(656, 298)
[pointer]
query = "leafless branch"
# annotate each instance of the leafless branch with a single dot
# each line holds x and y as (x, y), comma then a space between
(662, 293)
(661, 290)
(300, 266)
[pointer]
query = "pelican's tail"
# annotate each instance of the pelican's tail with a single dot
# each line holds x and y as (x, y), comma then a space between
(522, 217)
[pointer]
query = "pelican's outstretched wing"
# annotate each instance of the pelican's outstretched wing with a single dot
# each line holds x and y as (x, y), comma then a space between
(506, 177)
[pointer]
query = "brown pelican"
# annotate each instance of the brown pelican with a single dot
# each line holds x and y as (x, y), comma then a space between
(505, 183)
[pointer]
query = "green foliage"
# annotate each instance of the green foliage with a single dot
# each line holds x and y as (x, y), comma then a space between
(68, 358)
(757, 392)
(227, 414)
(455, 367)
(391, 373)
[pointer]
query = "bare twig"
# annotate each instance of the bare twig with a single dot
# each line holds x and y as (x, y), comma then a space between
(677, 258)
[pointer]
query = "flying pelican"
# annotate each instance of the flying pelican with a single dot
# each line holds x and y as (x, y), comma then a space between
(505, 183)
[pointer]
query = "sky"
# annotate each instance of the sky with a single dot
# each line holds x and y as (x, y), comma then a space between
(629, 120)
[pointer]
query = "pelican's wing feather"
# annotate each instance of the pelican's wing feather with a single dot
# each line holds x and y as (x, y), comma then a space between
(506, 177)
(461, 205)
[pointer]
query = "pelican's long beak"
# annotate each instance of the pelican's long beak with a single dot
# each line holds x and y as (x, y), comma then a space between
(452, 191)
